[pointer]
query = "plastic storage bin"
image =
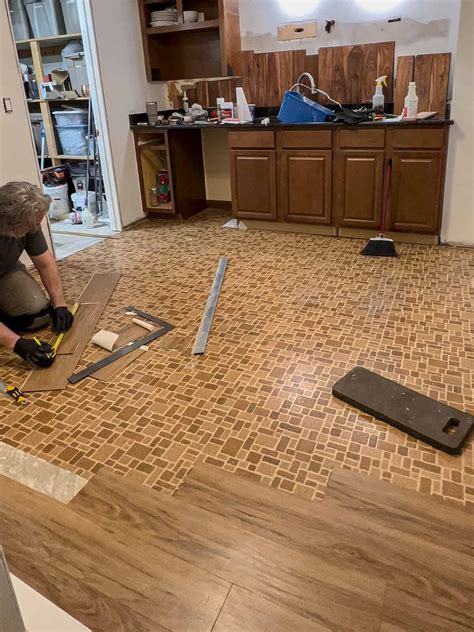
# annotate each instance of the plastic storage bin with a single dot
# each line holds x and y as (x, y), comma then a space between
(37, 126)
(21, 28)
(46, 17)
(70, 117)
(297, 108)
(73, 139)
(71, 16)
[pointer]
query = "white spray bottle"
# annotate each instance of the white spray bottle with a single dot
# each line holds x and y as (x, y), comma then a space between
(378, 100)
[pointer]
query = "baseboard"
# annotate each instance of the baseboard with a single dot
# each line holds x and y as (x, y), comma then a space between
(407, 238)
(283, 227)
(223, 205)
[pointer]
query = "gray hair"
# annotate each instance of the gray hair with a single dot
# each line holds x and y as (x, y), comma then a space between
(22, 207)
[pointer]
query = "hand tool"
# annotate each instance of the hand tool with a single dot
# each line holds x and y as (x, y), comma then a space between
(60, 338)
(14, 393)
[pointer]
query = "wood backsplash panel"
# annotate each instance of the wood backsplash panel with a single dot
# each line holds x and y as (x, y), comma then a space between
(325, 71)
(423, 65)
(354, 74)
(249, 76)
(385, 64)
(405, 73)
(439, 83)
(273, 96)
(261, 77)
(369, 73)
(286, 71)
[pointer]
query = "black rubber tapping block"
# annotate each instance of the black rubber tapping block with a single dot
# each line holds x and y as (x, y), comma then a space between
(435, 423)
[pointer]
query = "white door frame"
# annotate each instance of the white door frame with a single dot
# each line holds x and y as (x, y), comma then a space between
(100, 112)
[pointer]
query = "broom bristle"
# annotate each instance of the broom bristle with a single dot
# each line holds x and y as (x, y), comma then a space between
(379, 247)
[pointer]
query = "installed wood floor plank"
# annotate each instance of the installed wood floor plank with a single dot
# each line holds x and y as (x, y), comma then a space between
(335, 598)
(105, 585)
(350, 537)
(427, 544)
(244, 611)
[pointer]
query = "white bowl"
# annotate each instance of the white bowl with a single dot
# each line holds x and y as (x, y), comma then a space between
(190, 16)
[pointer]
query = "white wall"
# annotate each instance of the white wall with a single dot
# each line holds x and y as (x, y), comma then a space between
(126, 90)
(427, 26)
(17, 149)
(458, 219)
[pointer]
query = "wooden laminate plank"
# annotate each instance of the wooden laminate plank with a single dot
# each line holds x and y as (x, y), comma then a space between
(297, 63)
(108, 373)
(375, 538)
(202, 93)
(385, 66)
(405, 73)
(55, 378)
(273, 88)
(354, 74)
(129, 333)
(309, 585)
(423, 66)
(286, 72)
(439, 83)
(105, 585)
(244, 611)
(98, 291)
(248, 76)
(100, 288)
(261, 71)
(325, 72)
(407, 612)
(340, 79)
(213, 93)
(369, 72)
(311, 66)
(74, 336)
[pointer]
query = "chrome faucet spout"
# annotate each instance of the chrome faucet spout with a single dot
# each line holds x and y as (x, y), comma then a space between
(311, 81)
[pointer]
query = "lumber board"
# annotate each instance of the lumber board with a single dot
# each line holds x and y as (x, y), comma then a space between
(273, 88)
(112, 370)
(248, 76)
(261, 69)
(325, 72)
(369, 72)
(285, 71)
(98, 293)
(385, 64)
(405, 73)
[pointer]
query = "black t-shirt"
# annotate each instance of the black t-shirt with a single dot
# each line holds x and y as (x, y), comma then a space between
(12, 248)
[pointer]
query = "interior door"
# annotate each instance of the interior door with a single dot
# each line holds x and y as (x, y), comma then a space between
(18, 159)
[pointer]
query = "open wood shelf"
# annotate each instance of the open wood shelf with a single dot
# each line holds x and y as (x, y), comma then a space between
(162, 208)
(194, 26)
(46, 41)
(57, 100)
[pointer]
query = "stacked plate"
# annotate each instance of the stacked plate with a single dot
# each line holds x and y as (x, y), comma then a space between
(165, 17)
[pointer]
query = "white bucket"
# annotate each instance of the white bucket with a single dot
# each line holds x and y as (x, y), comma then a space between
(60, 205)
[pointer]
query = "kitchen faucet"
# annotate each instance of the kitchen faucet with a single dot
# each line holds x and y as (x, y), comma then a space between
(311, 81)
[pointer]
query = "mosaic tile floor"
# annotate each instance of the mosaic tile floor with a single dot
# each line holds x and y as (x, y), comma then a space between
(296, 313)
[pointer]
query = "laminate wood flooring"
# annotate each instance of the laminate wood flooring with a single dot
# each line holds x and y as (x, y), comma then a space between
(334, 597)
(105, 585)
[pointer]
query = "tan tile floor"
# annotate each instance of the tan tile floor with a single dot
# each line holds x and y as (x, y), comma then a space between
(296, 313)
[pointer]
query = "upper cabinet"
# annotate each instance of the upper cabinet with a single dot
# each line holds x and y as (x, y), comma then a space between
(190, 49)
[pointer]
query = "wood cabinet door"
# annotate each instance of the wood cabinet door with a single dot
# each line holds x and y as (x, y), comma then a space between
(253, 181)
(358, 187)
(416, 191)
(305, 186)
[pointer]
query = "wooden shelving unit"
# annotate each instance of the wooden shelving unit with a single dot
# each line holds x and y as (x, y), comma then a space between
(35, 49)
(209, 48)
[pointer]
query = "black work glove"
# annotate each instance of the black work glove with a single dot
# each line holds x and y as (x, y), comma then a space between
(62, 319)
(38, 353)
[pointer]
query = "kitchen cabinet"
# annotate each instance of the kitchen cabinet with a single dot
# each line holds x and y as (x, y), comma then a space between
(358, 187)
(305, 186)
(253, 183)
(416, 193)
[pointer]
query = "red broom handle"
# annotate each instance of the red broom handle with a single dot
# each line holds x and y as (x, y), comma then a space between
(386, 191)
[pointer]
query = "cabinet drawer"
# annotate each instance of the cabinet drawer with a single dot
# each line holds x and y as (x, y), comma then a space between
(417, 138)
(252, 140)
(361, 138)
(321, 139)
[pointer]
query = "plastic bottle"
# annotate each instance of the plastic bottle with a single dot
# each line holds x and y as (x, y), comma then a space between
(220, 102)
(378, 100)
(411, 103)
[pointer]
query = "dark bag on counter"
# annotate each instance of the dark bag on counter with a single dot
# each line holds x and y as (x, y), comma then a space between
(350, 117)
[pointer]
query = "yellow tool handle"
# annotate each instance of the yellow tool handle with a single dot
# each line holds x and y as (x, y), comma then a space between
(60, 338)
(16, 394)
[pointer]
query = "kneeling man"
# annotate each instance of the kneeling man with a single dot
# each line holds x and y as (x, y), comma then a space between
(23, 306)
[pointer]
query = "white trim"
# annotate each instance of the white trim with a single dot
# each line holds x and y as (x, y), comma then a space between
(98, 103)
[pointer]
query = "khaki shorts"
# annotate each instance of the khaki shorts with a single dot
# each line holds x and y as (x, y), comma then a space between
(22, 301)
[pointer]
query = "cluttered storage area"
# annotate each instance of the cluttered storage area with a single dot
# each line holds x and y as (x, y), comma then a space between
(57, 86)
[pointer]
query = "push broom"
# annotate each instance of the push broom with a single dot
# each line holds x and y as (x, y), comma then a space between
(381, 246)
